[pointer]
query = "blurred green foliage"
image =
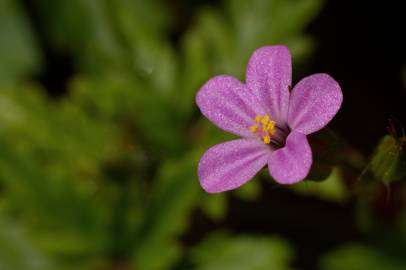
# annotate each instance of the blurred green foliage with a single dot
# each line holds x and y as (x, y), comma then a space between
(16, 252)
(359, 257)
(330, 189)
(104, 177)
(19, 52)
(388, 163)
(224, 252)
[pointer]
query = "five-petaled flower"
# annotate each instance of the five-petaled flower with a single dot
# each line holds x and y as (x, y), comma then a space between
(272, 118)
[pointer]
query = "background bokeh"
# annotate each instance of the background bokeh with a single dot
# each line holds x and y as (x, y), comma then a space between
(100, 137)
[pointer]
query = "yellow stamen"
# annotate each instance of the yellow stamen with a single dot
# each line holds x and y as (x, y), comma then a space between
(269, 127)
(254, 128)
(265, 119)
(257, 118)
(264, 128)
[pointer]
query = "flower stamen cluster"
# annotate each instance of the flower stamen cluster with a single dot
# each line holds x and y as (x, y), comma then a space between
(264, 128)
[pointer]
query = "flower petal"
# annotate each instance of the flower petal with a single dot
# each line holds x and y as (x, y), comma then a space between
(229, 104)
(269, 76)
(291, 163)
(313, 103)
(228, 165)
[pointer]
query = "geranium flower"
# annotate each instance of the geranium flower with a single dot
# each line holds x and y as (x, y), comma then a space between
(272, 118)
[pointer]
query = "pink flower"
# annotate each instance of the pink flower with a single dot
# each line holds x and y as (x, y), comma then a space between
(272, 121)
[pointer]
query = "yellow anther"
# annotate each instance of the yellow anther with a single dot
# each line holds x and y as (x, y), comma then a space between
(266, 139)
(254, 128)
(271, 125)
(265, 119)
(258, 118)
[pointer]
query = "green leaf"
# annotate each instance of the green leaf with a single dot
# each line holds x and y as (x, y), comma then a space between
(131, 103)
(249, 191)
(360, 257)
(195, 70)
(260, 22)
(84, 29)
(223, 252)
(214, 205)
(166, 216)
(331, 189)
(54, 207)
(17, 252)
(150, 52)
(19, 55)
(388, 162)
(34, 126)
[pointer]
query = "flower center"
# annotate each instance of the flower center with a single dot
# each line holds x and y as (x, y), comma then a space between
(264, 128)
